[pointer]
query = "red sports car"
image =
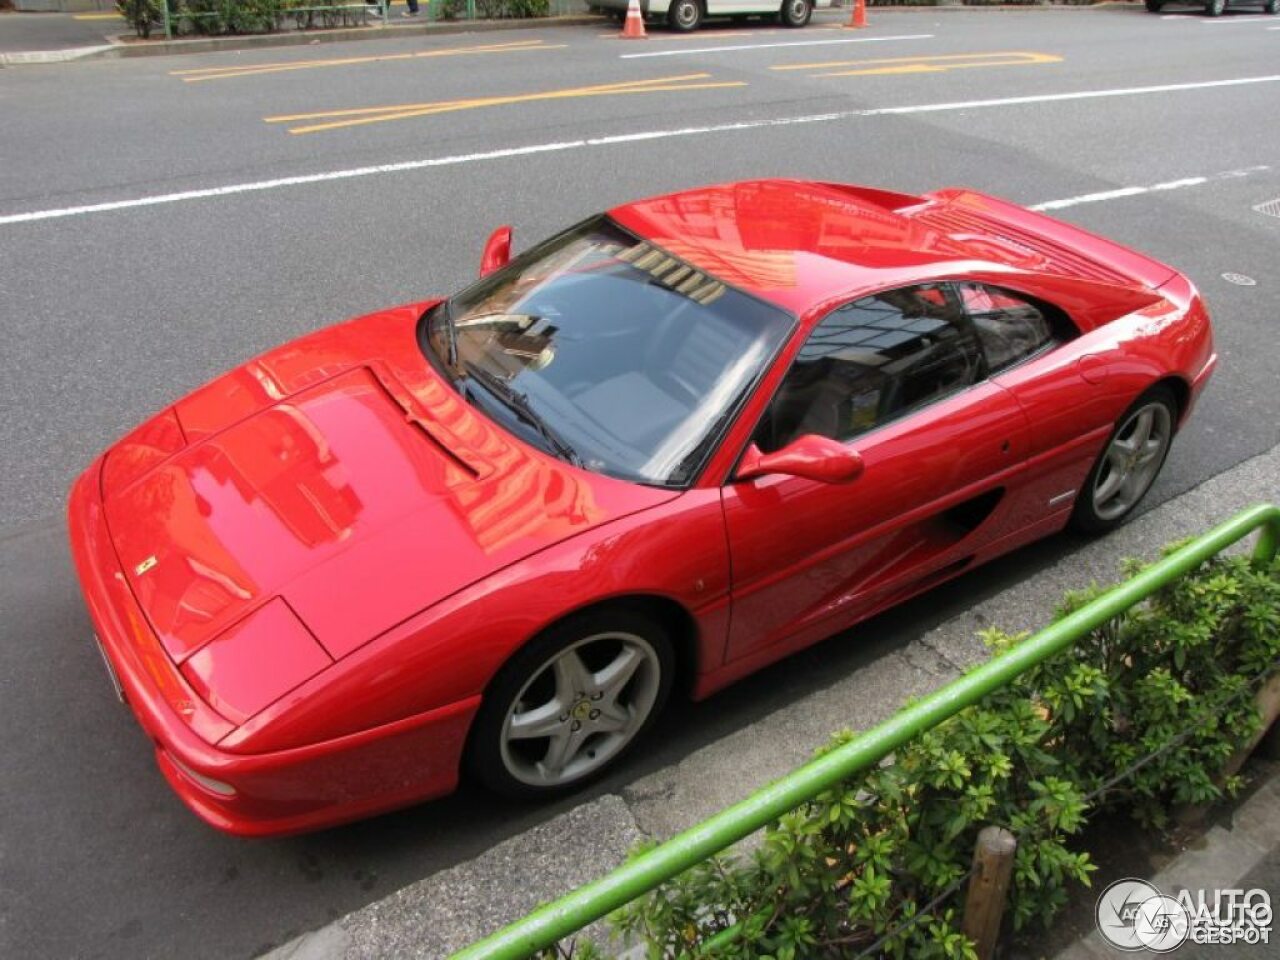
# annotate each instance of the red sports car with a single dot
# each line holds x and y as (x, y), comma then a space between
(660, 450)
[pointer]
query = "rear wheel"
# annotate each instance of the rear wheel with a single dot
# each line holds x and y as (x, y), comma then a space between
(796, 13)
(567, 706)
(1215, 8)
(685, 16)
(1154, 6)
(1129, 463)
(1272, 7)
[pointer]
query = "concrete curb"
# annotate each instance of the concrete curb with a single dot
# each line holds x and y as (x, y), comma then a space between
(21, 58)
(445, 912)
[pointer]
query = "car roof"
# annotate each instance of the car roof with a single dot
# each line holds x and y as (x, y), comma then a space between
(797, 243)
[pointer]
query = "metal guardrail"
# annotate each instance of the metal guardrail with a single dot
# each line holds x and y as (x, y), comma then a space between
(555, 921)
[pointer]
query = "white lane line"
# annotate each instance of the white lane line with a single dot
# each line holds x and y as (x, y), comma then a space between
(1153, 188)
(772, 46)
(1080, 95)
(457, 159)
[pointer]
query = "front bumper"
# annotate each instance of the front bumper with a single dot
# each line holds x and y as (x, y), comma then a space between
(289, 791)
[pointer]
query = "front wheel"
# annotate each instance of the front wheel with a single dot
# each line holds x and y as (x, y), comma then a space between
(1154, 6)
(796, 13)
(1129, 463)
(685, 16)
(1215, 8)
(567, 706)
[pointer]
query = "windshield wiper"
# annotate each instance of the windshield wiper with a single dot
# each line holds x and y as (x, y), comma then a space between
(518, 404)
(451, 336)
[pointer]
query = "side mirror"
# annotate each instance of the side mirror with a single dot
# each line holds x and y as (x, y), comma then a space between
(497, 251)
(811, 456)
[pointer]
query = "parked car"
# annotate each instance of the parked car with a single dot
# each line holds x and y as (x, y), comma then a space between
(1216, 8)
(688, 15)
(656, 452)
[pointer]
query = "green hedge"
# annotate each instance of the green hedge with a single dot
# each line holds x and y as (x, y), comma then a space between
(223, 17)
(1139, 717)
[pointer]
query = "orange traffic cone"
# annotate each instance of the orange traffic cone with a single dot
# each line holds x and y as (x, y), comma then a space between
(859, 18)
(633, 28)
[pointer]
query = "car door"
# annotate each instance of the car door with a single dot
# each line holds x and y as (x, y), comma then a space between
(1058, 377)
(900, 378)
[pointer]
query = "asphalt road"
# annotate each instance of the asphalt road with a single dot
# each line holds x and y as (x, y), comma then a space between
(131, 274)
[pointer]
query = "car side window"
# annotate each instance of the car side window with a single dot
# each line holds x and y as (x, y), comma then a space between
(872, 361)
(1010, 327)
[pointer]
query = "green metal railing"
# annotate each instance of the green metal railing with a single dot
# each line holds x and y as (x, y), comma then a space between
(551, 923)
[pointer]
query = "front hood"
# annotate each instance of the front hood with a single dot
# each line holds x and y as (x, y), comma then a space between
(359, 500)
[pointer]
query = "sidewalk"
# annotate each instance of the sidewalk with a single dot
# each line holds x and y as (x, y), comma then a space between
(436, 916)
(55, 33)
(30, 38)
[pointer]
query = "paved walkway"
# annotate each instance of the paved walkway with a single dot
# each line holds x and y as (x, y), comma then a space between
(21, 32)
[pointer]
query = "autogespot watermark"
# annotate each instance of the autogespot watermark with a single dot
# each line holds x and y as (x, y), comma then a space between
(1134, 915)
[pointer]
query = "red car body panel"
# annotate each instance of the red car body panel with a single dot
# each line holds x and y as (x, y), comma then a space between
(307, 572)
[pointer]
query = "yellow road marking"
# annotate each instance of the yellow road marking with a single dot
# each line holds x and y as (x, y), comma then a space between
(404, 111)
(253, 70)
(931, 64)
(97, 16)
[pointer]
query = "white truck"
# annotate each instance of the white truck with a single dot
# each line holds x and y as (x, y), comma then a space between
(686, 15)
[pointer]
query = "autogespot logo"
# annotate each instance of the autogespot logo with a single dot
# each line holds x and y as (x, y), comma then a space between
(1133, 915)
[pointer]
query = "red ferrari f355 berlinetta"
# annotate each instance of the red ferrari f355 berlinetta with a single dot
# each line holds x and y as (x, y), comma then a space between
(680, 440)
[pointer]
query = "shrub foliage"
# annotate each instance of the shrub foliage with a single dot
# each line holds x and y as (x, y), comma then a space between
(219, 17)
(1137, 717)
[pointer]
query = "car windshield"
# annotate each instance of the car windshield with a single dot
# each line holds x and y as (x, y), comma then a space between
(608, 352)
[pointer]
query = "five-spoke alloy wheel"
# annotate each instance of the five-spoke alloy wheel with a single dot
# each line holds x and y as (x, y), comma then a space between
(570, 703)
(1129, 463)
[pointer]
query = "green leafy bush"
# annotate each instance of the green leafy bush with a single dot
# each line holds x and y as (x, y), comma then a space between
(1137, 717)
(495, 9)
(220, 17)
(142, 15)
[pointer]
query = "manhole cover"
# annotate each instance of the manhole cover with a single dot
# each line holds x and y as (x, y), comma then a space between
(1239, 279)
(1271, 208)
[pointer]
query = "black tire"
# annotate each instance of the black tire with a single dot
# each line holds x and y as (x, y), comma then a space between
(796, 13)
(506, 765)
(1086, 517)
(1215, 8)
(1272, 7)
(684, 16)
(1154, 6)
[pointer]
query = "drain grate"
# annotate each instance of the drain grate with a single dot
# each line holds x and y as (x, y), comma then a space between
(1271, 208)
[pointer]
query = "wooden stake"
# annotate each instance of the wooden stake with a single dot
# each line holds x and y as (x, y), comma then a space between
(989, 888)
